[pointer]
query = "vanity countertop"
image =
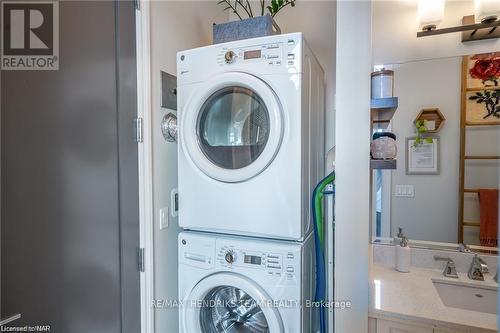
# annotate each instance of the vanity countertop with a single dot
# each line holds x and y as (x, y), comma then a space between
(412, 296)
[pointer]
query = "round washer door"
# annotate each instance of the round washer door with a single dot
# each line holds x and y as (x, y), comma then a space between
(232, 127)
(232, 303)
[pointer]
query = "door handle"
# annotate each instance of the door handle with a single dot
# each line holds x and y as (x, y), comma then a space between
(9, 319)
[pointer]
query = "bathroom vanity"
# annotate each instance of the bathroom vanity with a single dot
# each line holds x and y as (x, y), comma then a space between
(425, 301)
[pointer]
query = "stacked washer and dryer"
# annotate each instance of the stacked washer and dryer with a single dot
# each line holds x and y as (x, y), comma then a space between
(251, 150)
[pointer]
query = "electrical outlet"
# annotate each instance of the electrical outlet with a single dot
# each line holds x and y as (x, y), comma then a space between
(404, 191)
(164, 218)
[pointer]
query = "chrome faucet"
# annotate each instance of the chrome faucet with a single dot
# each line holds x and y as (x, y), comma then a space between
(450, 270)
(463, 248)
(477, 269)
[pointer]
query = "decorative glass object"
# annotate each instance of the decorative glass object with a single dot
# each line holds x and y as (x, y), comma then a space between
(384, 146)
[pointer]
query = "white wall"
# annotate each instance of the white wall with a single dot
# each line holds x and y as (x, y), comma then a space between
(316, 19)
(395, 33)
(394, 29)
(432, 214)
(352, 163)
(175, 26)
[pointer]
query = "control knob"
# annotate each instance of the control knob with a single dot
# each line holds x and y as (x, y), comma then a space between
(229, 57)
(230, 257)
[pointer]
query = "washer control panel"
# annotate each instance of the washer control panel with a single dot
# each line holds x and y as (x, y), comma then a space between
(276, 264)
(272, 54)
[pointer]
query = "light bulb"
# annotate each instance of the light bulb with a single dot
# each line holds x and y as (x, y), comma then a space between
(486, 10)
(430, 13)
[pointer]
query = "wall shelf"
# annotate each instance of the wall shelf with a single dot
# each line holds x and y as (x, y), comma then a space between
(384, 103)
(432, 115)
(383, 164)
(383, 109)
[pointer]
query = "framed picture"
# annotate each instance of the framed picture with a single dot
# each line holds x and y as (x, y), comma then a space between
(423, 158)
(481, 102)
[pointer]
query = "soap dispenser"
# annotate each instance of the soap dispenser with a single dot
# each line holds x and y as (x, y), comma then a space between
(403, 254)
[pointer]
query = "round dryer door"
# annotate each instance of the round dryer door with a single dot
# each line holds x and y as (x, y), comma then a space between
(229, 302)
(232, 127)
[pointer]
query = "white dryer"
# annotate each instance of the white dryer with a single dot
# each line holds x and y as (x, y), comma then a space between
(239, 284)
(251, 136)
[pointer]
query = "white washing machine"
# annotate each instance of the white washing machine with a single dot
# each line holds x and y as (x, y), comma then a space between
(239, 284)
(251, 136)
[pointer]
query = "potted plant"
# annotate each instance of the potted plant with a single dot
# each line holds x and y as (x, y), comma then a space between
(421, 128)
(251, 23)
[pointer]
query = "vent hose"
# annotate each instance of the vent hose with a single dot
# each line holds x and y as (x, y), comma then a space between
(319, 241)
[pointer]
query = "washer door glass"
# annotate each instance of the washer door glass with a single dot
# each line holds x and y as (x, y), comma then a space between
(230, 309)
(233, 127)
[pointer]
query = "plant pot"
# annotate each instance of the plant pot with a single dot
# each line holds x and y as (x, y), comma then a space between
(248, 28)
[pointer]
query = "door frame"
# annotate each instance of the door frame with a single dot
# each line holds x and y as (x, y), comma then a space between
(145, 148)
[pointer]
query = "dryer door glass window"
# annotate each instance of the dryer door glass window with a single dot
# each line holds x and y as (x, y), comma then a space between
(233, 127)
(230, 309)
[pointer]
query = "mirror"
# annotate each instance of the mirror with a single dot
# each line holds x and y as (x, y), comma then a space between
(434, 193)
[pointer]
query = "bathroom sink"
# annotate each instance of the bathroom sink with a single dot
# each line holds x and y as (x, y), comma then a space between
(467, 296)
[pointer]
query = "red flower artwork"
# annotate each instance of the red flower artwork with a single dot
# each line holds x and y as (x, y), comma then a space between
(486, 69)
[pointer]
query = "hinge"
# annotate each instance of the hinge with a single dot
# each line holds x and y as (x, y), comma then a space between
(137, 4)
(140, 260)
(138, 129)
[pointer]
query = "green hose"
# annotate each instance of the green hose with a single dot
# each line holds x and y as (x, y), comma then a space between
(318, 206)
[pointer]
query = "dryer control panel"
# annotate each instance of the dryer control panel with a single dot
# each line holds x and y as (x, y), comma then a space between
(274, 54)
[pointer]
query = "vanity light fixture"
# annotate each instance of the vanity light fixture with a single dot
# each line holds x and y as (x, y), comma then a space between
(430, 14)
(483, 25)
(486, 11)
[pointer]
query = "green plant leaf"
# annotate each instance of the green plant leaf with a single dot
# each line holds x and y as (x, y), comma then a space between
(429, 140)
(274, 4)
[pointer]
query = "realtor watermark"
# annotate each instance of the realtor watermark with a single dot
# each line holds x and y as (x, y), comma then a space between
(211, 303)
(30, 35)
(26, 328)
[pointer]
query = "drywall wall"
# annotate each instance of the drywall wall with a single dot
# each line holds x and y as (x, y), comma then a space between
(433, 213)
(395, 27)
(316, 19)
(175, 26)
(352, 164)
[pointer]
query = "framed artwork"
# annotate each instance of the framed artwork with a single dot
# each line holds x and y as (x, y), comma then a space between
(482, 89)
(423, 158)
